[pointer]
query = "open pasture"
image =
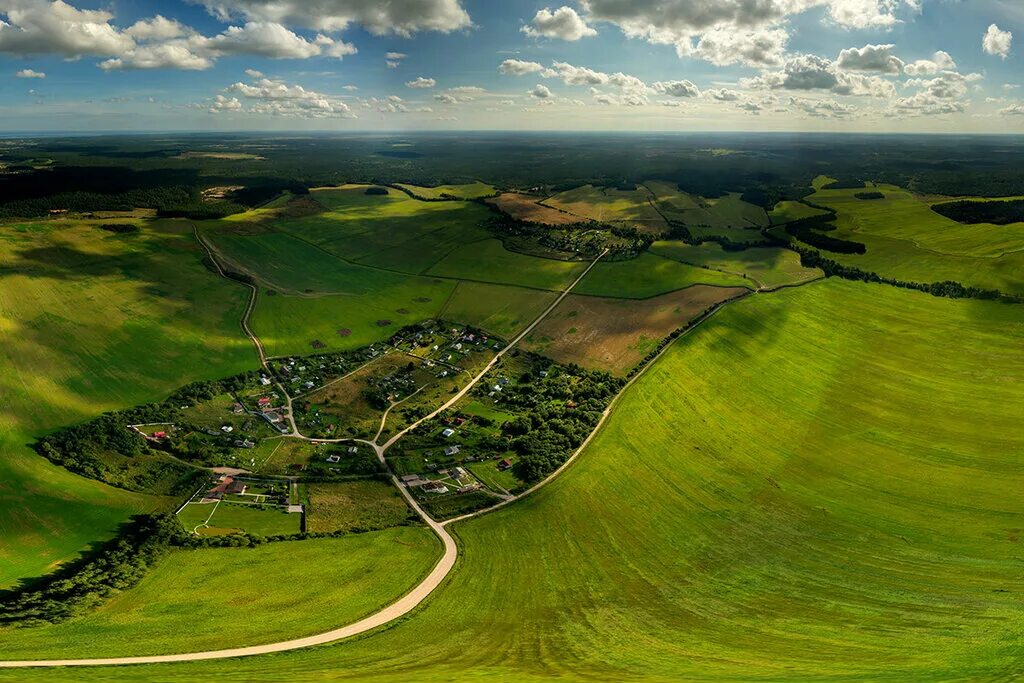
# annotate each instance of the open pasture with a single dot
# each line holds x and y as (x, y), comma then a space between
(728, 212)
(502, 310)
(392, 231)
(650, 275)
(489, 261)
(92, 321)
(224, 517)
(768, 267)
(529, 209)
(615, 334)
(610, 205)
(865, 534)
(475, 190)
(906, 240)
(223, 597)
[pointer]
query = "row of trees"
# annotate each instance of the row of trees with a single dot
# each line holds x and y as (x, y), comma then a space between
(998, 213)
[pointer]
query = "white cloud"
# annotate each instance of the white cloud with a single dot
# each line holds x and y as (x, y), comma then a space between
(541, 92)
(421, 83)
(940, 61)
(398, 17)
(1013, 110)
(871, 58)
(516, 67)
(997, 42)
(30, 73)
(172, 55)
(676, 88)
(394, 59)
(564, 23)
(722, 95)
(157, 28)
(810, 72)
(445, 98)
(265, 40)
(44, 27)
(277, 98)
(223, 104)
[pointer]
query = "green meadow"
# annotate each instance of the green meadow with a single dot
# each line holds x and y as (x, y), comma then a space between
(475, 190)
(219, 597)
(906, 240)
(768, 267)
(500, 309)
(811, 486)
(91, 321)
(610, 205)
(650, 275)
(489, 261)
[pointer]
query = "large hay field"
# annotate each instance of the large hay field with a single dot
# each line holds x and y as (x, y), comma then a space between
(219, 597)
(615, 334)
(490, 261)
(529, 209)
(91, 321)
(500, 309)
(811, 487)
(474, 190)
(650, 275)
(768, 267)
(610, 205)
(906, 240)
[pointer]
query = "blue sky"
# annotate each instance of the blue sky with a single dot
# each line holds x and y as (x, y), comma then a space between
(303, 65)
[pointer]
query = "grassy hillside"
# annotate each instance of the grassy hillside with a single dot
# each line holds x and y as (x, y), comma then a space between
(768, 267)
(651, 275)
(489, 261)
(90, 321)
(214, 598)
(814, 486)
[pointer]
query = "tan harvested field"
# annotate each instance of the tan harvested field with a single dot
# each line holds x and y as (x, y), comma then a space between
(615, 334)
(525, 208)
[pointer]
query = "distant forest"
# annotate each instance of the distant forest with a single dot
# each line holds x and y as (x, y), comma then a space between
(997, 213)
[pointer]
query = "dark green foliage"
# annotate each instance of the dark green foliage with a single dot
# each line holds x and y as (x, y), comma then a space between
(78, 587)
(809, 231)
(869, 195)
(377, 190)
(997, 213)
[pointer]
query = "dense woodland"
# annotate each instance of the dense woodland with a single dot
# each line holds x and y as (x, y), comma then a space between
(997, 213)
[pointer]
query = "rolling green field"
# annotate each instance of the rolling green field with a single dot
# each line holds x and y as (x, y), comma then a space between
(394, 231)
(489, 261)
(466, 191)
(651, 275)
(865, 535)
(91, 321)
(905, 239)
(768, 267)
(610, 205)
(227, 518)
(785, 212)
(215, 598)
(499, 309)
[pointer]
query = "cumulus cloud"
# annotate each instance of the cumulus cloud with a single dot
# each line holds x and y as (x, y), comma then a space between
(871, 58)
(541, 92)
(564, 23)
(811, 72)
(940, 61)
(221, 105)
(722, 95)
(398, 17)
(997, 42)
(44, 27)
(676, 88)
(394, 59)
(30, 73)
(1013, 110)
(517, 67)
(421, 83)
(446, 98)
(277, 98)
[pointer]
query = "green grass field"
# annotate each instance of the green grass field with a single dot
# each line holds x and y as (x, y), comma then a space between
(784, 212)
(906, 240)
(810, 487)
(768, 267)
(489, 261)
(651, 275)
(215, 598)
(466, 191)
(91, 321)
(499, 309)
(610, 205)
(215, 519)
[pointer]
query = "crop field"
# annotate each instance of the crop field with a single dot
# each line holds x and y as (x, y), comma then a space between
(489, 261)
(394, 231)
(526, 208)
(650, 275)
(214, 598)
(363, 504)
(905, 239)
(768, 267)
(615, 334)
(610, 205)
(728, 212)
(91, 321)
(865, 536)
(475, 190)
(499, 309)
(787, 211)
